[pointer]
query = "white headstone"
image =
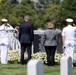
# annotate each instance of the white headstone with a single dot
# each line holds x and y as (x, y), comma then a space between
(66, 65)
(35, 67)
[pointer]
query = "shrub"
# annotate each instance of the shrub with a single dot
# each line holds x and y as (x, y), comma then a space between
(14, 56)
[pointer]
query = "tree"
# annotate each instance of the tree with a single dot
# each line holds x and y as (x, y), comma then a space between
(52, 13)
(40, 12)
(55, 1)
(15, 12)
(69, 9)
(0, 3)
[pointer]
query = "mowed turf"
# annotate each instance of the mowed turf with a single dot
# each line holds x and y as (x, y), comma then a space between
(17, 69)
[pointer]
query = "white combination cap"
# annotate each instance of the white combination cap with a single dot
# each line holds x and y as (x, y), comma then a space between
(4, 20)
(69, 20)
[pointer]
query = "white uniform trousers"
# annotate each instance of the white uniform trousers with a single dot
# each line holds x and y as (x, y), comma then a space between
(69, 49)
(4, 54)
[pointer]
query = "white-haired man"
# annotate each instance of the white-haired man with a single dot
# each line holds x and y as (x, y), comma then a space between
(68, 38)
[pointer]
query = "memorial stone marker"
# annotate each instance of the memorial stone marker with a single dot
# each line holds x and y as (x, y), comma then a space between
(35, 67)
(38, 38)
(66, 65)
(38, 34)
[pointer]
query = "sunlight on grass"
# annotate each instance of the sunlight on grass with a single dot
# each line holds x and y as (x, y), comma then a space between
(17, 69)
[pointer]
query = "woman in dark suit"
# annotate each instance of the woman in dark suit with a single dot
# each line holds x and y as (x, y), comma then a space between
(50, 43)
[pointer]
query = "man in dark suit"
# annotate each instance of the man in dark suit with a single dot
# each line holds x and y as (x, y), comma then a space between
(26, 37)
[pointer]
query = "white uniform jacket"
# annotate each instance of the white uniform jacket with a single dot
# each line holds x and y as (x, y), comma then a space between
(69, 32)
(4, 36)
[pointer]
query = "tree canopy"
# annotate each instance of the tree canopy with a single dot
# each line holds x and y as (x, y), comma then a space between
(40, 12)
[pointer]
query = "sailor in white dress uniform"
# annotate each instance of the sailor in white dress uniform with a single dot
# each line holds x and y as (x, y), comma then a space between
(4, 40)
(69, 38)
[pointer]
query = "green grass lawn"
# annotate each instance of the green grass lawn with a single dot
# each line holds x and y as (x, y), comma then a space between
(17, 69)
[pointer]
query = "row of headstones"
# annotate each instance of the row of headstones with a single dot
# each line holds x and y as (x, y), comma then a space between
(35, 67)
